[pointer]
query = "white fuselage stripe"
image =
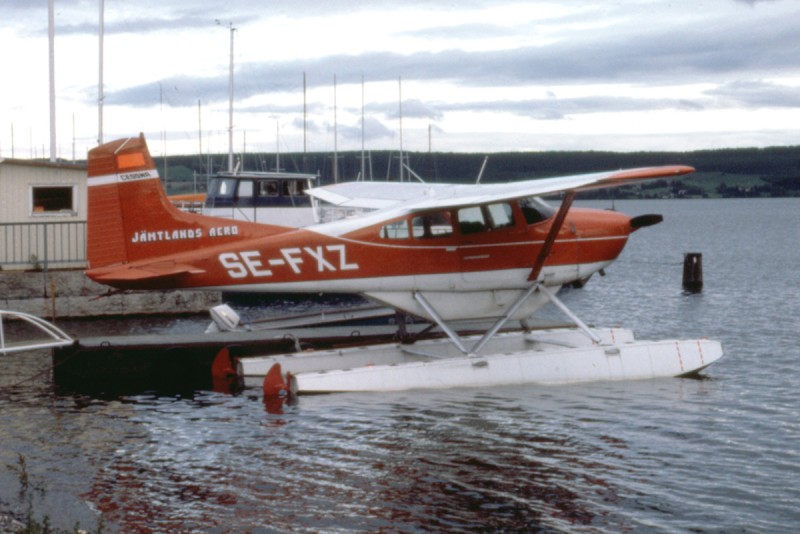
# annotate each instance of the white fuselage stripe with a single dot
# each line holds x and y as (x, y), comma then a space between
(489, 281)
(108, 179)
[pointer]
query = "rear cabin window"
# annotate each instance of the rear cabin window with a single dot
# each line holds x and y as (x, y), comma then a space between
(432, 225)
(52, 199)
(395, 230)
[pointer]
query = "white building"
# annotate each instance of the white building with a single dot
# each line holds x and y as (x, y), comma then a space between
(42, 215)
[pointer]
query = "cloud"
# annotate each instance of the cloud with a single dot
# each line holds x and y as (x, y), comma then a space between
(698, 53)
(758, 94)
(412, 108)
(373, 130)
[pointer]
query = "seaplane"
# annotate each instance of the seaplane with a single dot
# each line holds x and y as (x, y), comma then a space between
(489, 254)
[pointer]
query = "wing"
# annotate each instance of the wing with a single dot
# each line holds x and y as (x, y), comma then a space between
(372, 195)
(418, 196)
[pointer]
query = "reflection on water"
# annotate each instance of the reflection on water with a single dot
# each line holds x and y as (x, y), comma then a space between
(719, 454)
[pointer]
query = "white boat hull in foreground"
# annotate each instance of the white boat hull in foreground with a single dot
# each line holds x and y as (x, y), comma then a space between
(558, 356)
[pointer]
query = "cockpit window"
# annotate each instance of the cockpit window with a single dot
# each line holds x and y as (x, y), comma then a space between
(470, 220)
(536, 210)
(501, 215)
(482, 218)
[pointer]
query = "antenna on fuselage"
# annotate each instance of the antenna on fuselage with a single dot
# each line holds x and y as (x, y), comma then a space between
(483, 167)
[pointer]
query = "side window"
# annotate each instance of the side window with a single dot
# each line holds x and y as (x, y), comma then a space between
(432, 225)
(470, 220)
(501, 214)
(395, 230)
(245, 189)
(268, 188)
(289, 188)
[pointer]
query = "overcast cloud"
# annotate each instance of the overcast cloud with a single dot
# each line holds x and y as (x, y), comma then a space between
(632, 75)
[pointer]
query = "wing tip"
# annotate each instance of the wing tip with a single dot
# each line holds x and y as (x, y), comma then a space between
(664, 171)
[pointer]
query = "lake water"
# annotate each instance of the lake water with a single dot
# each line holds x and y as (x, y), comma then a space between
(719, 454)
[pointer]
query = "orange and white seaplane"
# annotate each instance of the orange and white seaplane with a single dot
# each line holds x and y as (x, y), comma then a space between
(446, 253)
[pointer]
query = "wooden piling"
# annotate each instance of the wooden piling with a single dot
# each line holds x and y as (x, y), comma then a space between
(693, 272)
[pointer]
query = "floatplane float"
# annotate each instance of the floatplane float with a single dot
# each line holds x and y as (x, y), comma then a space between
(442, 252)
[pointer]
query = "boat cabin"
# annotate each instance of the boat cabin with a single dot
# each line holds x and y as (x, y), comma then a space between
(263, 197)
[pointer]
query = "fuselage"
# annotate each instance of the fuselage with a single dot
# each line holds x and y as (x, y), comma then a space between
(467, 254)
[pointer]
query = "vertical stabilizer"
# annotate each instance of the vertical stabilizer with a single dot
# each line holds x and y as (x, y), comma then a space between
(131, 218)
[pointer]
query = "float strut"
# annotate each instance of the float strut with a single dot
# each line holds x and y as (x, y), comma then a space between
(439, 321)
(504, 319)
(575, 319)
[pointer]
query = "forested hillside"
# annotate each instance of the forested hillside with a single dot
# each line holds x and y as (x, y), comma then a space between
(720, 173)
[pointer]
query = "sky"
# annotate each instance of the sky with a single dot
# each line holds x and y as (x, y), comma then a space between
(478, 76)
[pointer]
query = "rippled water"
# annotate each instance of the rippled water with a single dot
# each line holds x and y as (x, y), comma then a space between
(721, 454)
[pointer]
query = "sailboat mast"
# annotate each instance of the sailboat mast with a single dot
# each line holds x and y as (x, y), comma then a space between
(230, 103)
(52, 37)
(335, 137)
(100, 96)
(363, 176)
(400, 113)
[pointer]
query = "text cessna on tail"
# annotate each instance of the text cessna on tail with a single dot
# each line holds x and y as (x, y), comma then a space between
(444, 252)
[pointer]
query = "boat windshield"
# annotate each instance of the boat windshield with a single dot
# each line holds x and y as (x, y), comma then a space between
(221, 187)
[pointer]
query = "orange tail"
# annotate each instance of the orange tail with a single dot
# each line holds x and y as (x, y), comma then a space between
(131, 218)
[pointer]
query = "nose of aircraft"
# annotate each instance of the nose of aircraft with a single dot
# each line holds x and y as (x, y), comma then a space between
(642, 221)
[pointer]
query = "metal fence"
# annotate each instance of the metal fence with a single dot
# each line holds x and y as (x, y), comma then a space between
(43, 245)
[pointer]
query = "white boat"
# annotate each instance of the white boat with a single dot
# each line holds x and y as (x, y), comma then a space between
(262, 197)
(40, 334)
(546, 357)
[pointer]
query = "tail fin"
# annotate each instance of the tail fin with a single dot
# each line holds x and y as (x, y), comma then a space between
(131, 218)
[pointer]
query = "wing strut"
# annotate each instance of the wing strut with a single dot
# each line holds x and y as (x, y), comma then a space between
(558, 222)
(536, 270)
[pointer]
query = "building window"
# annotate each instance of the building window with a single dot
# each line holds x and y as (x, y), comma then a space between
(52, 199)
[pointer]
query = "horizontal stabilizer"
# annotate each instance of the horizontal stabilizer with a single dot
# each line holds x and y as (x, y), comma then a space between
(153, 271)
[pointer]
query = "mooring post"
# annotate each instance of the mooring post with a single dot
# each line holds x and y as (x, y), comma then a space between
(693, 272)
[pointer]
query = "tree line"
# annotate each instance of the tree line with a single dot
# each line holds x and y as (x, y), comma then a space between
(773, 171)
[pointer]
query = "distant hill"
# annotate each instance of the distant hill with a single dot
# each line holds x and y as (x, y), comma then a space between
(745, 172)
